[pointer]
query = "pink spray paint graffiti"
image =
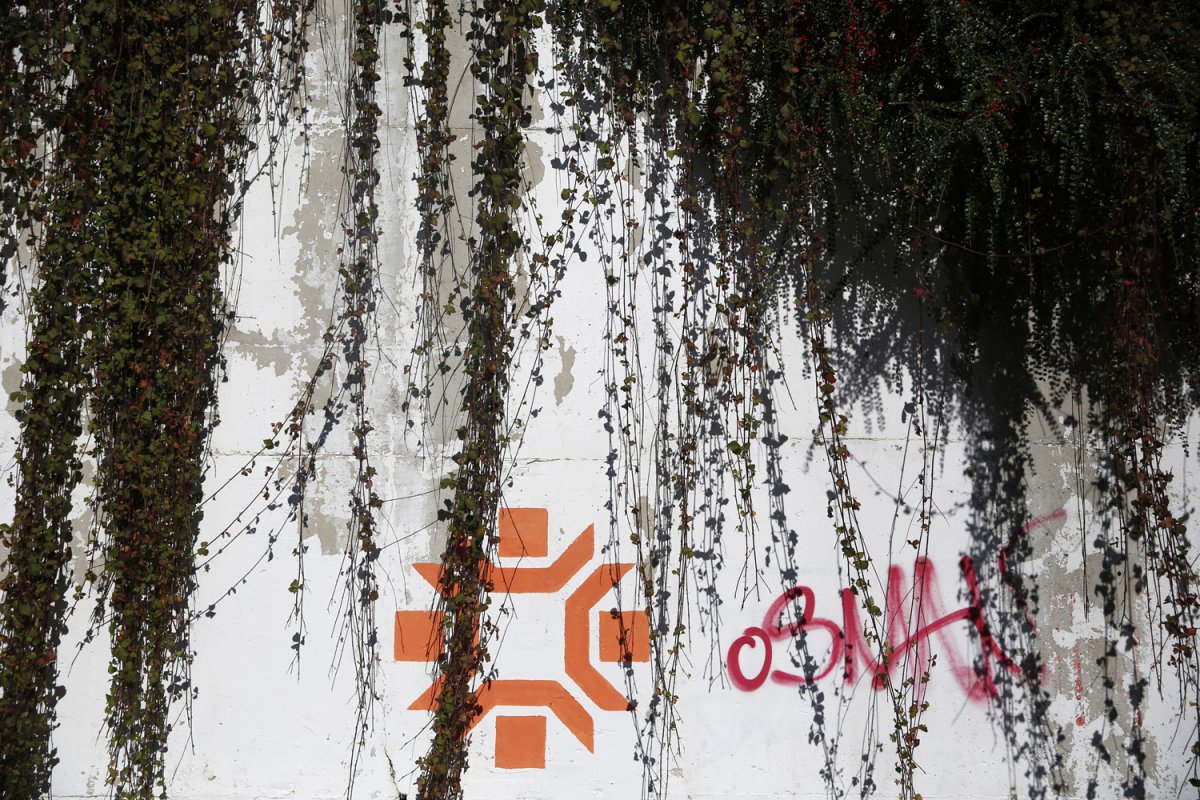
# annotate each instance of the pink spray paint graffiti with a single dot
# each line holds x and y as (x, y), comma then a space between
(914, 615)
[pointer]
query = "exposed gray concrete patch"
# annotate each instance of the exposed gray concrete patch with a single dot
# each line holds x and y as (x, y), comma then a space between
(83, 519)
(1072, 636)
(633, 240)
(633, 174)
(328, 528)
(10, 381)
(521, 286)
(643, 520)
(564, 381)
(323, 496)
(535, 163)
(313, 226)
(264, 352)
(325, 514)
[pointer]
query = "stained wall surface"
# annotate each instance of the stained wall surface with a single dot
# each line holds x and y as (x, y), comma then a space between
(272, 721)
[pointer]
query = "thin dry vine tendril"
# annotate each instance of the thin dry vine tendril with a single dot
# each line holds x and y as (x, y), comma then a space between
(842, 508)
(359, 281)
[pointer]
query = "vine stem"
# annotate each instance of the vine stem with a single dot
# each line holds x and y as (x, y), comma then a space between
(502, 64)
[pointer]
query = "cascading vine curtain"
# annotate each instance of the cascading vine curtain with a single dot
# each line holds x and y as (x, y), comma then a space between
(126, 128)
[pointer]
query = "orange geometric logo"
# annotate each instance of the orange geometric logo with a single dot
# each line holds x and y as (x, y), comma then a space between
(624, 638)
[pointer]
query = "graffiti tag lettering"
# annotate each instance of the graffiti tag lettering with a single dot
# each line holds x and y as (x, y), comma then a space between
(912, 618)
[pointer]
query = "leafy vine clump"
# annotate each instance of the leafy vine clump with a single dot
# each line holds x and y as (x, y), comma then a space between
(122, 178)
(504, 64)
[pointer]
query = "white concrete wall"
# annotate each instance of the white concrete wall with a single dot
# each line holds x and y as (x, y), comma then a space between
(264, 726)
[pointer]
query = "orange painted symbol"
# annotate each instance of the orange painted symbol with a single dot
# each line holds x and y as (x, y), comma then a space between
(624, 638)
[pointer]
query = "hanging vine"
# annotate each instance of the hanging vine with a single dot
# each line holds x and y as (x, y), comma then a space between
(122, 182)
(503, 64)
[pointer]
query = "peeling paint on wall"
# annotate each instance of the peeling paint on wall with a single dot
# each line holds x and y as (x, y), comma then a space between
(10, 381)
(564, 381)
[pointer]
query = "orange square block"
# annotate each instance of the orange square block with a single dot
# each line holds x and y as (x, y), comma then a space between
(521, 742)
(524, 532)
(624, 636)
(418, 635)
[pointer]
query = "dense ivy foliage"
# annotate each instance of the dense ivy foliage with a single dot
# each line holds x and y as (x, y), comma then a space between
(995, 198)
(126, 131)
(987, 204)
(499, 33)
